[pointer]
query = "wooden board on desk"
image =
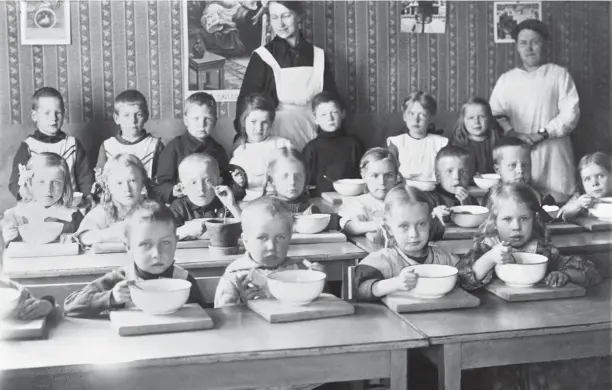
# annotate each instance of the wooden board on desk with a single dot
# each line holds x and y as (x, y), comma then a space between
(454, 232)
(17, 329)
(559, 227)
(534, 293)
(24, 249)
(325, 306)
(593, 224)
(405, 302)
(132, 322)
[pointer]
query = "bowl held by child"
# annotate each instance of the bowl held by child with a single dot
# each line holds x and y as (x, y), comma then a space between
(311, 223)
(350, 187)
(468, 216)
(223, 233)
(9, 299)
(160, 296)
(435, 280)
(602, 210)
(296, 287)
(423, 185)
(487, 180)
(40, 232)
(527, 270)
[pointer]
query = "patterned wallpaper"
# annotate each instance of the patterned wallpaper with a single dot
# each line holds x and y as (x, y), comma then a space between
(137, 44)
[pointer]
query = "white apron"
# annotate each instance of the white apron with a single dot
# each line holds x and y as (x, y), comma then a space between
(295, 88)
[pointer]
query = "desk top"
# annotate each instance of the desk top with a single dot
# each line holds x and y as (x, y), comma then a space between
(238, 334)
(496, 318)
(96, 264)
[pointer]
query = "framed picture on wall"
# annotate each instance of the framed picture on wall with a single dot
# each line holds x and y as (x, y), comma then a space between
(508, 14)
(218, 39)
(45, 22)
(423, 17)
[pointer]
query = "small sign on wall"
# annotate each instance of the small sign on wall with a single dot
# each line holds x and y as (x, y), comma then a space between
(45, 22)
(508, 14)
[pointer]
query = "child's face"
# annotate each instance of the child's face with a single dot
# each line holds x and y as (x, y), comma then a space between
(199, 182)
(48, 116)
(152, 245)
(476, 121)
(48, 185)
(266, 239)
(130, 118)
(515, 165)
(380, 177)
(417, 120)
(328, 116)
(257, 125)
(514, 223)
(595, 180)
(199, 120)
(452, 173)
(410, 226)
(288, 179)
(125, 186)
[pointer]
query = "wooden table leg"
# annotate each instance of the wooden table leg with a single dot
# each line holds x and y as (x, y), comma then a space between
(449, 367)
(398, 372)
(222, 77)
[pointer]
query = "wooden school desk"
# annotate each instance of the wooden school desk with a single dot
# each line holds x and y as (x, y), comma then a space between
(500, 333)
(242, 351)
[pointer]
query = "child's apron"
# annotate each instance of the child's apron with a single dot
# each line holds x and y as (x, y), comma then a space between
(295, 88)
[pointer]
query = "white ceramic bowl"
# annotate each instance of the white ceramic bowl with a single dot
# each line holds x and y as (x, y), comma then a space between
(487, 180)
(605, 199)
(160, 296)
(602, 211)
(423, 185)
(468, 216)
(350, 187)
(252, 194)
(40, 232)
(9, 299)
(311, 223)
(551, 210)
(435, 280)
(529, 269)
(296, 287)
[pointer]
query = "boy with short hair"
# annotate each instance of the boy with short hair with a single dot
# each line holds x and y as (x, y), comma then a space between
(131, 114)
(48, 116)
(148, 225)
(204, 196)
(334, 154)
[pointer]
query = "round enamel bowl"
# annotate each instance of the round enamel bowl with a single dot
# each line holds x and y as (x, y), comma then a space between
(423, 185)
(350, 187)
(602, 210)
(468, 216)
(160, 296)
(296, 287)
(529, 269)
(553, 211)
(487, 180)
(9, 299)
(435, 280)
(311, 223)
(40, 232)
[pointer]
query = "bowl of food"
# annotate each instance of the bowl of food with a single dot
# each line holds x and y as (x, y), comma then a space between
(435, 280)
(551, 210)
(160, 296)
(296, 287)
(423, 185)
(9, 299)
(310, 223)
(487, 180)
(526, 270)
(601, 210)
(350, 187)
(40, 232)
(468, 216)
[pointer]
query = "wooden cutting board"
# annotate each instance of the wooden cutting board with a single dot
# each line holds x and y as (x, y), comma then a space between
(23, 249)
(16, 329)
(132, 322)
(405, 302)
(538, 292)
(325, 306)
(323, 237)
(593, 224)
(559, 227)
(454, 232)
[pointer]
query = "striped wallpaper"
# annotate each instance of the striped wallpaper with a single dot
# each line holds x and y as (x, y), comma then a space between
(137, 44)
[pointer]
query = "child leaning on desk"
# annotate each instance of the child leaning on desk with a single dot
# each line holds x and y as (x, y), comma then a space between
(150, 237)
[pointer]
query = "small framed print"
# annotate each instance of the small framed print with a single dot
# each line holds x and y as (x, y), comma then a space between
(508, 14)
(45, 22)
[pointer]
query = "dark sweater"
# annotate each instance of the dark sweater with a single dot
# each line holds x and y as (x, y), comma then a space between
(440, 197)
(185, 210)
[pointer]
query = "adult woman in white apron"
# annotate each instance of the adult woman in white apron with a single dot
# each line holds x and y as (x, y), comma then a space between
(538, 103)
(289, 71)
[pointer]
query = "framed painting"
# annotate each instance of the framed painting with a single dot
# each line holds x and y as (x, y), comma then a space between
(509, 14)
(45, 22)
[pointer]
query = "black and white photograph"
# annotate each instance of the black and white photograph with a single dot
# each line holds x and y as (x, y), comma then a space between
(423, 17)
(45, 22)
(508, 14)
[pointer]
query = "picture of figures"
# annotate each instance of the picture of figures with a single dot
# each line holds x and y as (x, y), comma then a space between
(509, 14)
(423, 17)
(45, 22)
(220, 37)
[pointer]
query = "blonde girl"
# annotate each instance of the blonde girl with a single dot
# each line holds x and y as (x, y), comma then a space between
(594, 172)
(125, 184)
(416, 150)
(410, 228)
(477, 131)
(46, 195)
(286, 178)
(363, 214)
(255, 142)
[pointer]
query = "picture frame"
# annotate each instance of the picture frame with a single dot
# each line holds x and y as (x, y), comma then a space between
(423, 17)
(508, 14)
(45, 22)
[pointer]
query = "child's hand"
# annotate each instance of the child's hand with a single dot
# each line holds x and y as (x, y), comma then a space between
(556, 279)
(313, 266)
(462, 194)
(248, 290)
(121, 292)
(586, 201)
(192, 229)
(500, 253)
(35, 308)
(406, 280)
(177, 190)
(9, 232)
(225, 195)
(441, 212)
